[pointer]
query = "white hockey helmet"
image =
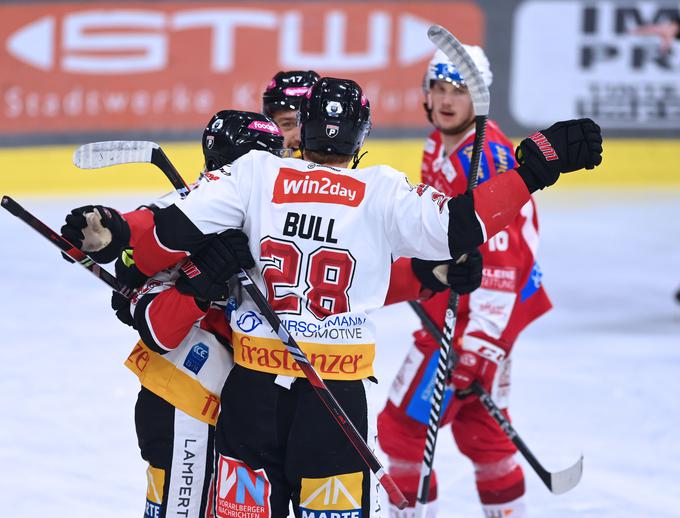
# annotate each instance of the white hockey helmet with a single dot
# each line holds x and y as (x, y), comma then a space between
(440, 68)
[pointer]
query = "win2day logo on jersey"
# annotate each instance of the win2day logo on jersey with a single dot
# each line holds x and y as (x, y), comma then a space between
(319, 186)
(241, 491)
(331, 497)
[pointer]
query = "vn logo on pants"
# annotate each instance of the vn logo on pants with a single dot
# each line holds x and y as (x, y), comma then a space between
(241, 491)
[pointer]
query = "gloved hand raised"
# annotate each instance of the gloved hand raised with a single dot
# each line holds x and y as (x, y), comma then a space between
(564, 147)
(100, 232)
(205, 275)
(464, 277)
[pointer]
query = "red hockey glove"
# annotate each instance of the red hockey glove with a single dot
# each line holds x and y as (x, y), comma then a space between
(478, 361)
(564, 147)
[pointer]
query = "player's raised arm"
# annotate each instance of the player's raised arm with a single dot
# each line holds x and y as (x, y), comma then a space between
(566, 146)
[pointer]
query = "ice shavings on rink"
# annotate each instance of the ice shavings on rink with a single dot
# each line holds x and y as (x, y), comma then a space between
(598, 375)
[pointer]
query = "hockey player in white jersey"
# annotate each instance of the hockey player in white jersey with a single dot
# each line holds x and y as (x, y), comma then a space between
(185, 352)
(322, 237)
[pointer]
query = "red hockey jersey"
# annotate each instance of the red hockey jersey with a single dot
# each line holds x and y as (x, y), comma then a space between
(511, 295)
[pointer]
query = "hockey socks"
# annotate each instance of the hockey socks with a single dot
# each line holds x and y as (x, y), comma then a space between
(406, 474)
(500, 484)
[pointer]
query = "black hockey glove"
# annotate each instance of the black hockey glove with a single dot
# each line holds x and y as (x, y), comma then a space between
(564, 147)
(464, 277)
(204, 276)
(130, 278)
(100, 232)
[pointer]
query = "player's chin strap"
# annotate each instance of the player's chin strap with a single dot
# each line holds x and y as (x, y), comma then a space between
(357, 157)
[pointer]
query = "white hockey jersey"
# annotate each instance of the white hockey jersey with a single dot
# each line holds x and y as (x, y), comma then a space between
(323, 239)
(190, 376)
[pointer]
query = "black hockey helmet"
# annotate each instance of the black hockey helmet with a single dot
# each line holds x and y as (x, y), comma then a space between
(231, 134)
(335, 117)
(286, 90)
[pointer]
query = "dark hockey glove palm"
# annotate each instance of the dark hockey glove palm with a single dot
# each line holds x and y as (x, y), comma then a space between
(461, 277)
(100, 232)
(130, 278)
(204, 276)
(564, 147)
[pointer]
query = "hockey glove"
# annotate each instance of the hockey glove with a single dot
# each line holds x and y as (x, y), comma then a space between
(130, 278)
(564, 147)
(100, 232)
(204, 276)
(478, 361)
(464, 277)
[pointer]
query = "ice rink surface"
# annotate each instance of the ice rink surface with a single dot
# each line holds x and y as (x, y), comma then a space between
(598, 375)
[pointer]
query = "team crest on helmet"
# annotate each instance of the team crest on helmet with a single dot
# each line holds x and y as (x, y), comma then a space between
(333, 108)
(332, 130)
(209, 141)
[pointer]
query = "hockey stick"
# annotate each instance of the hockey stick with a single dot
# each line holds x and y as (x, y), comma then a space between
(558, 482)
(113, 152)
(479, 93)
(57, 240)
(122, 152)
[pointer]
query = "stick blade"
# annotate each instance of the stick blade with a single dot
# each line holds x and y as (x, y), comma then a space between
(113, 152)
(567, 479)
(454, 50)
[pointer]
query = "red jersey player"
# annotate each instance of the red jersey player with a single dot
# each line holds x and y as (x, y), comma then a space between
(489, 319)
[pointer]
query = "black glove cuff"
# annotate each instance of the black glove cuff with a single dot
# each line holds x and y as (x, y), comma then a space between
(203, 305)
(530, 180)
(423, 270)
(109, 253)
(534, 169)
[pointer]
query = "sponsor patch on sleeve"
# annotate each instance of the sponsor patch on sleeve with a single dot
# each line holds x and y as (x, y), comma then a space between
(292, 186)
(339, 495)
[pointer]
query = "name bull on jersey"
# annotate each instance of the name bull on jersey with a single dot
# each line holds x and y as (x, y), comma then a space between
(308, 226)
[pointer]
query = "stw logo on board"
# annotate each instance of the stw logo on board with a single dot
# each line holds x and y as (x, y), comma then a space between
(77, 66)
(293, 186)
(241, 491)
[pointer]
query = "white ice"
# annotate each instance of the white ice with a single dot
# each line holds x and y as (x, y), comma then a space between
(598, 375)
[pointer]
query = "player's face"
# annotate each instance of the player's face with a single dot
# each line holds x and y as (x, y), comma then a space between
(451, 105)
(286, 120)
